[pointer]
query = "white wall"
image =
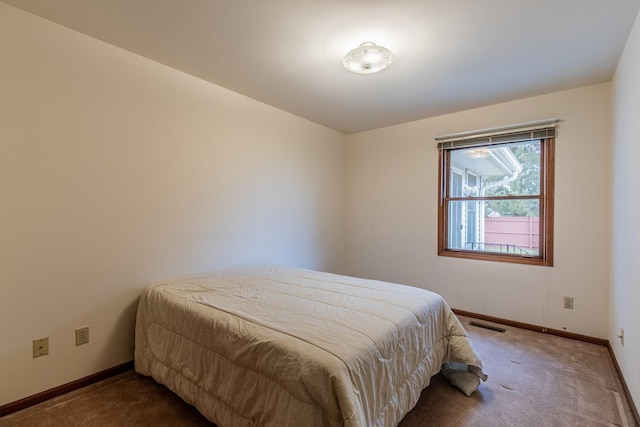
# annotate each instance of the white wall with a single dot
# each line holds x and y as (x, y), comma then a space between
(392, 188)
(116, 171)
(625, 254)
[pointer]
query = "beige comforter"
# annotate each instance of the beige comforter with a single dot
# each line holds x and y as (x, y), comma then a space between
(276, 346)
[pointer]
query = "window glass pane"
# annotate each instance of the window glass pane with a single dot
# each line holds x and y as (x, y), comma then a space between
(504, 226)
(499, 170)
(455, 212)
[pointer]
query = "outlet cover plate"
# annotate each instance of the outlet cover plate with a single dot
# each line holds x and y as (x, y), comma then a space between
(40, 347)
(82, 336)
(568, 303)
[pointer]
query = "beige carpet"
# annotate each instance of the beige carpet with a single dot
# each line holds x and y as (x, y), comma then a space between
(534, 380)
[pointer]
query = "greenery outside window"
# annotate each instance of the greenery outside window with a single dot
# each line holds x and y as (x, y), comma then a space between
(496, 194)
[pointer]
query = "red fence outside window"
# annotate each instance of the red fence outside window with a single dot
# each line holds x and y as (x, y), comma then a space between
(522, 231)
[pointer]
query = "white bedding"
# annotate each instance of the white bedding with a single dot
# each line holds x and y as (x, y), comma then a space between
(268, 345)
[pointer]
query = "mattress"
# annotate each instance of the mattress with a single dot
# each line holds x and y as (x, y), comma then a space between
(269, 345)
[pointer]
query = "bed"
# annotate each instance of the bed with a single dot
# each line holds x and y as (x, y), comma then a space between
(269, 345)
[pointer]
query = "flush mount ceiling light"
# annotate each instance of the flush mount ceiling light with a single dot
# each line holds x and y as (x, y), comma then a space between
(478, 153)
(367, 58)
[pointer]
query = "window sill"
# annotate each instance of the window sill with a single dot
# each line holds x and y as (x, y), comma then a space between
(514, 259)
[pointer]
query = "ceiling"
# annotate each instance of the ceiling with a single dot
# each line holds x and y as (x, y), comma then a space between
(450, 55)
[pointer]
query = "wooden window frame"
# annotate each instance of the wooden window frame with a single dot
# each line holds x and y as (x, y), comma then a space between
(546, 199)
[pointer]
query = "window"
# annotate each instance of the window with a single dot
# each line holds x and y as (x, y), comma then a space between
(496, 194)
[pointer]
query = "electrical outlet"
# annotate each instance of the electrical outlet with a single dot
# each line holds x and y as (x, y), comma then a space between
(40, 347)
(82, 336)
(568, 303)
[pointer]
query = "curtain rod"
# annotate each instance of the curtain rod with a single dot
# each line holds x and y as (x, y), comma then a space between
(485, 132)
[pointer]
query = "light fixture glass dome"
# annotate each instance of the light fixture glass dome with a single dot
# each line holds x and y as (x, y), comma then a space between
(367, 58)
